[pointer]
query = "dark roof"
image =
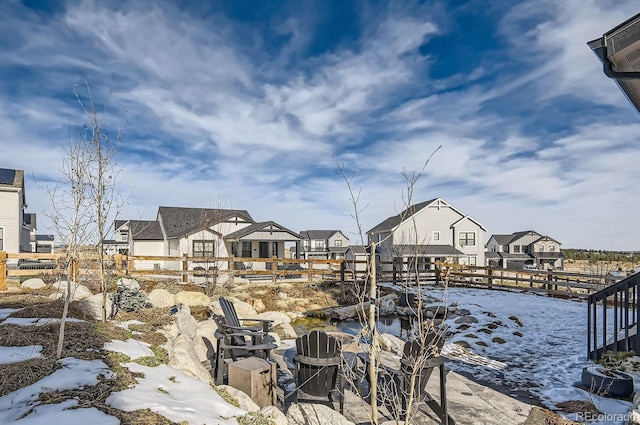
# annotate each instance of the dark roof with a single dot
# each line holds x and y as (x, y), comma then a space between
(423, 250)
(317, 234)
(256, 227)
(502, 239)
(145, 230)
(358, 249)
(119, 223)
(514, 255)
(392, 222)
(546, 237)
(180, 221)
(517, 235)
(44, 238)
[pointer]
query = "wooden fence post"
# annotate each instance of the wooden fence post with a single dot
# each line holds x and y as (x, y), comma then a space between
(490, 277)
(274, 268)
(343, 267)
(185, 268)
(3, 271)
(75, 269)
(310, 270)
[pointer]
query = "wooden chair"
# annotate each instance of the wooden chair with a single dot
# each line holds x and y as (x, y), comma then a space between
(235, 343)
(394, 380)
(317, 367)
(234, 321)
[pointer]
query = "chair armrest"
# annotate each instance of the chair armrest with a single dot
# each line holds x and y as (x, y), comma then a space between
(266, 323)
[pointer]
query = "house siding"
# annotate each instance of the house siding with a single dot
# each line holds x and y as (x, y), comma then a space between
(151, 248)
(11, 220)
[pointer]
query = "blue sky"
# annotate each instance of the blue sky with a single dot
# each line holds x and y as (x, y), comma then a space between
(249, 102)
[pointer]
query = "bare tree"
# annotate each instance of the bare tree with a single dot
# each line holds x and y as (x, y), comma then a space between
(102, 180)
(368, 291)
(68, 212)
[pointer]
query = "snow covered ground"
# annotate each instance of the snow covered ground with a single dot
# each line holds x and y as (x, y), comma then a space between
(531, 344)
(162, 389)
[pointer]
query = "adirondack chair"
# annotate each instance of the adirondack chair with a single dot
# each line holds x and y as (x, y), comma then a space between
(317, 367)
(233, 321)
(421, 356)
(233, 342)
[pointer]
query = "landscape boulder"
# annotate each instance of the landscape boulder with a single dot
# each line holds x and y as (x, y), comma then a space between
(78, 292)
(187, 324)
(92, 306)
(315, 414)
(33, 283)
(183, 356)
(192, 298)
(125, 282)
(275, 415)
(275, 316)
(243, 399)
(161, 298)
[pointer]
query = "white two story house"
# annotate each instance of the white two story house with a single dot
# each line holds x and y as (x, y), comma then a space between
(203, 232)
(15, 226)
(430, 231)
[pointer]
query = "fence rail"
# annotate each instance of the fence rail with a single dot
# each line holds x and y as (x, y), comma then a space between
(184, 267)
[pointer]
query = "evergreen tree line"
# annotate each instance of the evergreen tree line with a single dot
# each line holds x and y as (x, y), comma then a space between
(593, 255)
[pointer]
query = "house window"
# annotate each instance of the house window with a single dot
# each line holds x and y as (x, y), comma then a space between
(1, 238)
(552, 248)
(318, 244)
(204, 248)
(467, 239)
(494, 248)
(337, 242)
(436, 236)
(124, 236)
(246, 249)
(516, 249)
(234, 249)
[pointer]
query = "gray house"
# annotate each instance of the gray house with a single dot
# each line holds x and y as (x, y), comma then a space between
(430, 231)
(323, 244)
(526, 249)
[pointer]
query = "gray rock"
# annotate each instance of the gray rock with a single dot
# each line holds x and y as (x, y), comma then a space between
(244, 400)
(183, 356)
(125, 282)
(315, 414)
(187, 324)
(275, 416)
(466, 320)
(78, 292)
(33, 283)
(92, 306)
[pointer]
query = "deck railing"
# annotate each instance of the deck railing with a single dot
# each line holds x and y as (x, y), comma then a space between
(614, 307)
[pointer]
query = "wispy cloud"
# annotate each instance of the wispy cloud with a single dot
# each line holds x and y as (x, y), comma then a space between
(533, 136)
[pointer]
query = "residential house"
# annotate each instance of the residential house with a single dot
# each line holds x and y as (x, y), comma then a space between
(527, 248)
(430, 231)
(356, 258)
(204, 232)
(14, 229)
(323, 244)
